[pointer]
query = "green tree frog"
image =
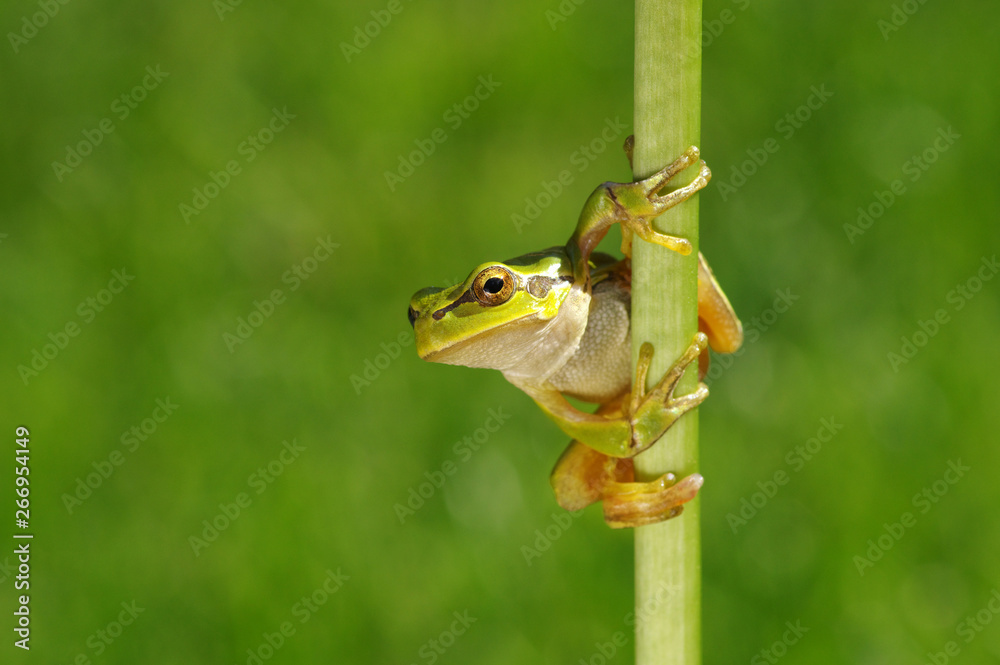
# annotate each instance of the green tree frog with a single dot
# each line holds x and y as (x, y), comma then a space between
(556, 324)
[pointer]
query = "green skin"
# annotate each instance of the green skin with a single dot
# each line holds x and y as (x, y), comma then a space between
(526, 317)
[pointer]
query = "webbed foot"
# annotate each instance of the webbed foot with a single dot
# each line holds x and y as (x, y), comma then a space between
(654, 412)
(582, 476)
(641, 204)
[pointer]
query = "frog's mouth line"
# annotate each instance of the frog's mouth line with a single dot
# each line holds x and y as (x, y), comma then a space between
(452, 352)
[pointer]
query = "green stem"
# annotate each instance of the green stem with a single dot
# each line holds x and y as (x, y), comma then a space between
(665, 312)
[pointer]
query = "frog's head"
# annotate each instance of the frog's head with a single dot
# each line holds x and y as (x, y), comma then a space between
(497, 315)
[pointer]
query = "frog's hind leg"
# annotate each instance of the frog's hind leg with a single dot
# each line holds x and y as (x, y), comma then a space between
(582, 476)
(629, 504)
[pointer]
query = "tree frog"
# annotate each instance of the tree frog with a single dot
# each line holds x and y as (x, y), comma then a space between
(556, 324)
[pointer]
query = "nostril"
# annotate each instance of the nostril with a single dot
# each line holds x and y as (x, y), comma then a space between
(412, 314)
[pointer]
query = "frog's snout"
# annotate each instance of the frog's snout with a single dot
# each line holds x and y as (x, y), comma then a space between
(419, 302)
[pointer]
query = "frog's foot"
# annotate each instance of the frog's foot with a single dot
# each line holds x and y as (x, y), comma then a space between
(652, 413)
(638, 504)
(641, 204)
(582, 476)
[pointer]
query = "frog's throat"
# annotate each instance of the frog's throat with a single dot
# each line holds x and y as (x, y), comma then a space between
(561, 340)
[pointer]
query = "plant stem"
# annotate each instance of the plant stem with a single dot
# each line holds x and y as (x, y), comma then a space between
(665, 312)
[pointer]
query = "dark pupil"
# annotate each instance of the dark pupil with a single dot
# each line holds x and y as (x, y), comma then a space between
(493, 285)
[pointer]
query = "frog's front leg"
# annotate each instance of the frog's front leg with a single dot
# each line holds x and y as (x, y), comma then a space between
(597, 466)
(642, 418)
(654, 412)
(634, 205)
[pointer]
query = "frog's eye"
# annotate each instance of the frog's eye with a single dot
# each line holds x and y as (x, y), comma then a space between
(494, 286)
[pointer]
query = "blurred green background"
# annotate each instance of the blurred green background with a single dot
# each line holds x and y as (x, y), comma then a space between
(307, 130)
